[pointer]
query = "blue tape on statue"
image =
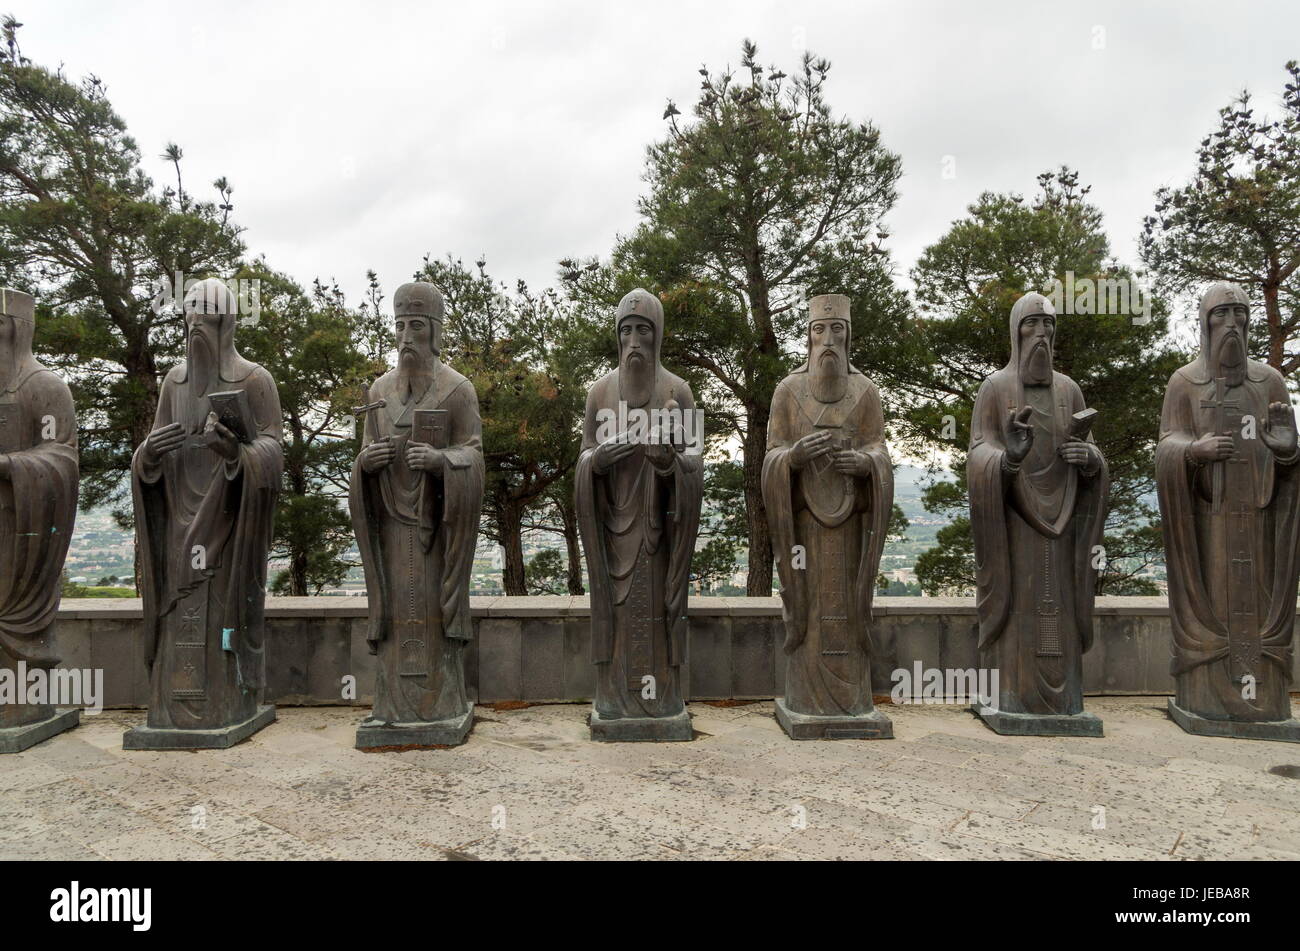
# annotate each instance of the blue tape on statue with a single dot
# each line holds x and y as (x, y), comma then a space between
(226, 634)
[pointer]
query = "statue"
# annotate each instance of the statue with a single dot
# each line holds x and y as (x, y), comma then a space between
(417, 488)
(38, 503)
(639, 488)
(205, 483)
(1229, 494)
(1037, 506)
(828, 487)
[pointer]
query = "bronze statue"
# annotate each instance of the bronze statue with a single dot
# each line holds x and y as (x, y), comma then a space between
(828, 487)
(638, 494)
(1037, 506)
(38, 503)
(417, 488)
(205, 484)
(1230, 509)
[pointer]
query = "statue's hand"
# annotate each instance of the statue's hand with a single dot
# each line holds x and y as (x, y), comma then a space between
(162, 441)
(421, 457)
(1279, 432)
(1211, 448)
(809, 448)
(1020, 434)
(610, 452)
(851, 462)
(377, 455)
(1079, 453)
(224, 443)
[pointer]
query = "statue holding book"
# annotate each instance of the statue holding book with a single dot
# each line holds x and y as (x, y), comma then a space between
(205, 484)
(416, 493)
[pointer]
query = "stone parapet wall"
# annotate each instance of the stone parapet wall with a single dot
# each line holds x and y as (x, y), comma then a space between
(537, 648)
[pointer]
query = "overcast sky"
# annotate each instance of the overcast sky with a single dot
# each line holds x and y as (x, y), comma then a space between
(363, 135)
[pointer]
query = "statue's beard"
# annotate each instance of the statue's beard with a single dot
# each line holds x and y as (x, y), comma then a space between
(636, 379)
(829, 376)
(202, 356)
(1228, 358)
(1036, 364)
(414, 374)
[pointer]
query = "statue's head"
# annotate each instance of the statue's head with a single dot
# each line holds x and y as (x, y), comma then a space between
(210, 310)
(1225, 318)
(829, 332)
(1033, 330)
(17, 325)
(639, 323)
(418, 310)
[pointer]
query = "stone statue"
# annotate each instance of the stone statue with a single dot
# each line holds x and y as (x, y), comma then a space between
(38, 502)
(638, 497)
(828, 487)
(1037, 506)
(417, 488)
(205, 483)
(1230, 508)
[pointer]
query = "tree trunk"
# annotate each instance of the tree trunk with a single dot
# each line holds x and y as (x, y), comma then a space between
(758, 584)
(569, 515)
(510, 525)
(1273, 314)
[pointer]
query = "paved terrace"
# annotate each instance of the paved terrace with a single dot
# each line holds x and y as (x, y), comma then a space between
(946, 788)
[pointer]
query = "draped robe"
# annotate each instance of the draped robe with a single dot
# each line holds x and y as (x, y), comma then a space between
(417, 532)
(38, 504)
(1034, 534)
(638, 523)
(840, 522)
(1232, 572)
(204, 528)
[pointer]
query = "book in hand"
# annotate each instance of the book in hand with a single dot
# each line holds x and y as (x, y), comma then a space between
(1081, 423)
(430, 426)
(231, 407)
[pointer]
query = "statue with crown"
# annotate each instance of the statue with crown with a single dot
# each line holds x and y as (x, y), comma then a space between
(828, 488)
(204, 483)
(38, 503)
(416, 493)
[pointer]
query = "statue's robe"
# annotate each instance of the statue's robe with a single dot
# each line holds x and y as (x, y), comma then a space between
(38, 504)
(638, 523)
(840, 521)
(1231, 570)
(417, 532)
(1034, 533)
(204, 527)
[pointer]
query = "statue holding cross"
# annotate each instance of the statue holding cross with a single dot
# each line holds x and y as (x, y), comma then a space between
(1230, 504)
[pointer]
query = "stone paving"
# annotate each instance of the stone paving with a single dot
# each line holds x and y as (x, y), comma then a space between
(530, 785)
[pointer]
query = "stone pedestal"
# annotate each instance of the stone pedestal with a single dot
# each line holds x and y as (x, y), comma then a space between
(1286, 731)
(1035, 724)
(642, 729)
(803, 726)
(149, 738)
(372, 734)
(15, 739)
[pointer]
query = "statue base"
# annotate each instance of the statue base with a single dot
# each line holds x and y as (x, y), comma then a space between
(152, 738)
(453, 731)
(1286, 731)
(1039, 724)
(15, 739)
(672, 729)
(807, 726)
